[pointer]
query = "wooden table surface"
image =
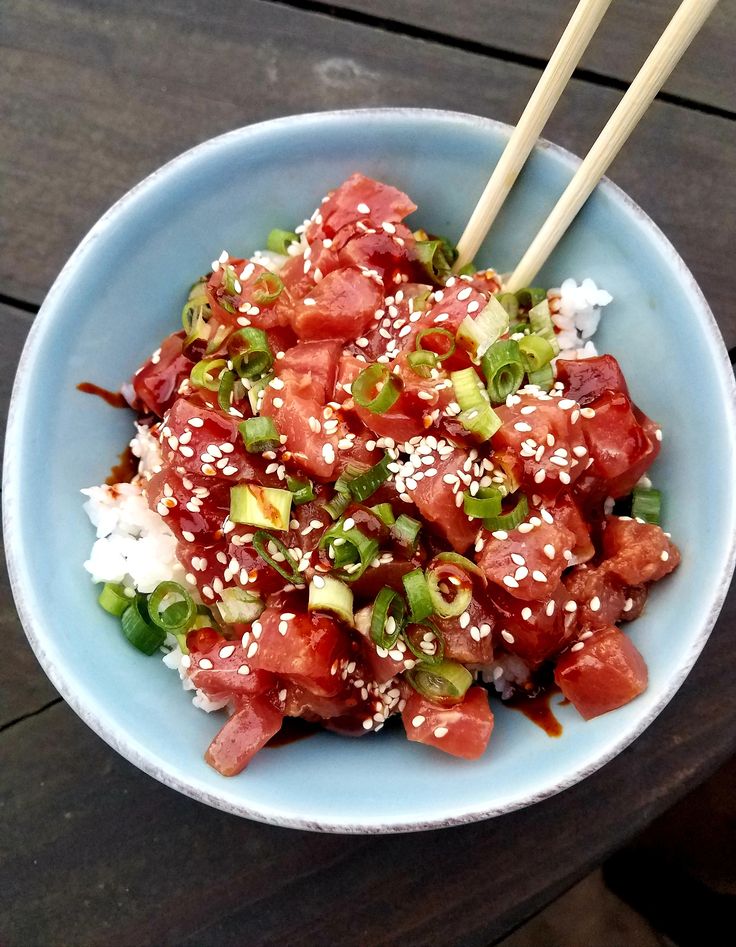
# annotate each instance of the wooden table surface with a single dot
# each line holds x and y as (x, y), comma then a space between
(93, 96)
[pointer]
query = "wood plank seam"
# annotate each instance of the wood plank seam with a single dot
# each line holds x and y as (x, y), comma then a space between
(399, 27)
(31, 713)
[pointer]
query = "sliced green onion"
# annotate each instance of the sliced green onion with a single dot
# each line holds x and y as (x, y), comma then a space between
(349, 549)
(256, 390)
(468, 391)
(417, 595)
(530, 296)
(420, 303)
(268, 287)
(331, 595)
(259, 434)
(376, 388)
(443, 333)
(405, 531)
(436, 258)
(338, 504)
(138, 628)
(203, 373)
(225, 391)
(445, 680)
(544, 378)
(366, 484)
(301, 489)
(196, 312)
(477, 416)
(254, 505)
(510, 520)
(476, 335)
(278, 556)
(387, 619)
(519, 328)
(429, 633)
(481, 507)
(536, 352)
(482, 423)
(229, 280)
(503, 368)
(250, 352)
(422, 363)
(237, 605)
(217, 339)
(167, 614)
(467, 564)
(385, 513)
(343, 497)
(278, 241)
(450, 588)
(646, 504)
(510, 303)
(114, 598)
(541, 323)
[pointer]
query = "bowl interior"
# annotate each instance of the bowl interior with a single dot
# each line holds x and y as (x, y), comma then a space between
(123, 291)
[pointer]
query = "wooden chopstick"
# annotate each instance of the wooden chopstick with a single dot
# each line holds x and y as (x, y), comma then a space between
(555, 77)
(682, 29)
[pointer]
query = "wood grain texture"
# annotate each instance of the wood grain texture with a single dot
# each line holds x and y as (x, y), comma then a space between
(136, 863)
(707, 74)
(90, 104)
(23, 685)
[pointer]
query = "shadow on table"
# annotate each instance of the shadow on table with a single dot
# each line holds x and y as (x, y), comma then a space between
(675, 884)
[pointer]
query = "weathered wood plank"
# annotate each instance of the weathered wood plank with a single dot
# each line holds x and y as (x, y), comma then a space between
(136, 863)
(706, 74)
(23, 685)
(91, 103)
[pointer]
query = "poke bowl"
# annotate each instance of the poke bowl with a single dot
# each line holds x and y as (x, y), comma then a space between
(207, 214)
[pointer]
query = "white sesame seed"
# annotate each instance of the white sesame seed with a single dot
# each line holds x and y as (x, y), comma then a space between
(578, 646)
(510, 582)
(418, 720)
(507, 636)
(540, 475)
(440, 732)
(549, 551)
(664, 555)
(526, 613)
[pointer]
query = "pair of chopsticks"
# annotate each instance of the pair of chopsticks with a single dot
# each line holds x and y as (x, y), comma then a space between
(680, 32)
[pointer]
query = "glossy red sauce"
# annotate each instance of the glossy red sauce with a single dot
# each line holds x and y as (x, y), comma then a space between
(113, 398)
(538, 709)
(125, 469)
(293, 729)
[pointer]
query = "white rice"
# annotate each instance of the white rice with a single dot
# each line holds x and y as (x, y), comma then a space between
(506, 671)
(576, 312)
(134, 545)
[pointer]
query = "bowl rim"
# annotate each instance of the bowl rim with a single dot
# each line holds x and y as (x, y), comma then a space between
(117, 736)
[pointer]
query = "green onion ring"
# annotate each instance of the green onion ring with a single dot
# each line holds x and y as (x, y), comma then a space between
(261, 540)
(376, 388)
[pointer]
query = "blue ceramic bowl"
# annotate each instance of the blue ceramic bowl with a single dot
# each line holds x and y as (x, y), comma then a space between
(121, 292)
